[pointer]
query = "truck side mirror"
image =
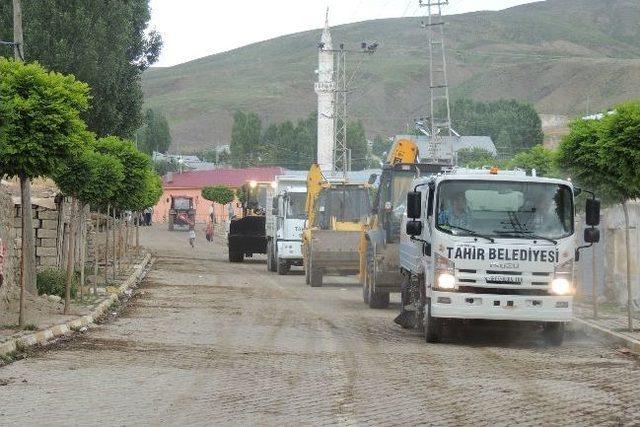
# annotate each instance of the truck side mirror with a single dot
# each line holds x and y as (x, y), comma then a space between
(591, 235)
(593, 212)
(414, 228)
(414, 202)
(372, 178)
(274, 203)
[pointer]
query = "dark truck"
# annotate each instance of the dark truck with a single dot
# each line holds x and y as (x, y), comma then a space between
(182, 213)
(247, 235)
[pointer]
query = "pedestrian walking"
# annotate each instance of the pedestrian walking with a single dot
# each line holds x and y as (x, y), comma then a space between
(209, 232)
(192, 237)
(148, 214)
(211, 212)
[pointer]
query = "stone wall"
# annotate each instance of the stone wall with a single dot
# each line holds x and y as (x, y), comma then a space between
(7, 235)
(610, 257)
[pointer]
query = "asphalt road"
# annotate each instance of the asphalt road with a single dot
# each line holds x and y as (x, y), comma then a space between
(205, 342)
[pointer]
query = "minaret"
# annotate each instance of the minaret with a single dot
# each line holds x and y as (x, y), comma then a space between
(325, 88)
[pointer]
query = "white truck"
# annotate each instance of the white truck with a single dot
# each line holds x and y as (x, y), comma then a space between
(285, 222)
(493, 245)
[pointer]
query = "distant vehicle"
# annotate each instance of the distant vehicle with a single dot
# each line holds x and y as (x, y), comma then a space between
(285, 222)
(247, 235)
(182, 213)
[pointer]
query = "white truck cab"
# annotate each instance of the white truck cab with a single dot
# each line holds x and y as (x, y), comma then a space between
(285, 222)
(489, 244)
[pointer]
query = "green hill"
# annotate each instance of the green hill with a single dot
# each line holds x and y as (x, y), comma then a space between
(561, 55)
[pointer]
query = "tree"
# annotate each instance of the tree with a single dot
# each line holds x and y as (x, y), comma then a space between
(104, 43)
(87, 177)
(245, 139)
(605, 155)
(539, 158)
(40, 128)
(475, 158)
(136, 166)
(220, 194)
(132, 191)
(380, 146)
(155, 134)
(357, 143)
(514, 126)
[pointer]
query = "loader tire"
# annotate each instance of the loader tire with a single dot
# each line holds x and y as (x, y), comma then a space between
(374, 299)
(282, 267)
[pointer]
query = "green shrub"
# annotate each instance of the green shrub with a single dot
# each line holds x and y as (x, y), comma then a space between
(52, 282)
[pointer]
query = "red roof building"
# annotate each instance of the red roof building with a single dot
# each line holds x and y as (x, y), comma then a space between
(191, 183)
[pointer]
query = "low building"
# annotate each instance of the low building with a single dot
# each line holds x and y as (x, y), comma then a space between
(191, 183)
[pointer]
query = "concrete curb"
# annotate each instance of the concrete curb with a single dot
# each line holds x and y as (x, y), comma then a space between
(43, 336)
(616, 338)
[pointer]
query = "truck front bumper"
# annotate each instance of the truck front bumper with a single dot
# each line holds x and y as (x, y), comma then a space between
(501, 307)
(290, 249)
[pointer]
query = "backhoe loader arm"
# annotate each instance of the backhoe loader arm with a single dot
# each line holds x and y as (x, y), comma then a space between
(403, 151)
(315, 180)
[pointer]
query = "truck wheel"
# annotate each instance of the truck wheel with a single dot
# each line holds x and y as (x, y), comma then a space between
(364, 279)
(283, 267)
(236, 256)
(553, 333)
(270, 256)
(365, 289)
(316, 278)
(432, 326)
(374, 299)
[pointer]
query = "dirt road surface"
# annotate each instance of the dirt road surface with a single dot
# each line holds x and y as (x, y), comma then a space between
(205, 342)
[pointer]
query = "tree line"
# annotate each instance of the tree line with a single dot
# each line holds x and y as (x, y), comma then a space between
(74, 124)
(513, 126)
(287, 144)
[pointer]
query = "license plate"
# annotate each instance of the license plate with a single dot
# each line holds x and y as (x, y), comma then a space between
(505, 279)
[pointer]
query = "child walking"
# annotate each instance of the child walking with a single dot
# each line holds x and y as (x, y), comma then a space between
(192, 237)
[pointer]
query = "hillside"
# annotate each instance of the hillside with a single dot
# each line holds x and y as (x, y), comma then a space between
(562, 55)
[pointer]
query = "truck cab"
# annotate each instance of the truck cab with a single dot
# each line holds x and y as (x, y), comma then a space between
(488, 244)
(285, 223)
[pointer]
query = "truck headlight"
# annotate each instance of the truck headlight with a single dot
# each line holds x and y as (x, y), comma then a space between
(445, 273)
(561, 286)
(446, 281)
(562, 279)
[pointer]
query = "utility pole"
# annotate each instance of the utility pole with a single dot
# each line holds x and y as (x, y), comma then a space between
(440, 107)
(342, 153)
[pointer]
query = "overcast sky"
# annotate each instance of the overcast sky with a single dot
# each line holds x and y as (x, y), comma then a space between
(195, 28)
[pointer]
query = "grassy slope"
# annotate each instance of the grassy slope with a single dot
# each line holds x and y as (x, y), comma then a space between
(556, 54)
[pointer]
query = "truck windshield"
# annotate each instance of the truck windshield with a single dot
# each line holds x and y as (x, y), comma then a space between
(344, 203)
(181, 203)
(505, 209)
(296, 205)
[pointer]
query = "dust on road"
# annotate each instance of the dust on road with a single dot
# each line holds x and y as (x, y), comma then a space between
(207, 342)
